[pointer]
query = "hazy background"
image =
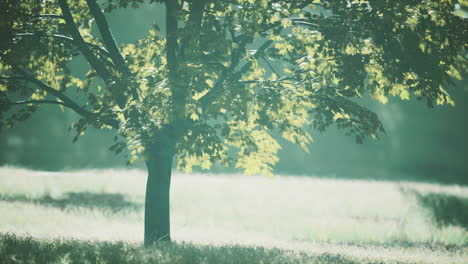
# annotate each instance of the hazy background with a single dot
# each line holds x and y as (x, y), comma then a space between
(421, 143)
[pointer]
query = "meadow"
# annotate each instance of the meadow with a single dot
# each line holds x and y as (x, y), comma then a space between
(96, 216)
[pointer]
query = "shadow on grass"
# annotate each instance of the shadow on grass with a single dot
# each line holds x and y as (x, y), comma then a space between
(113, 202)
(444, 209)
(16, 249)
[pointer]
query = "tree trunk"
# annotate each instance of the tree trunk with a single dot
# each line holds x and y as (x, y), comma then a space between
(157, 211)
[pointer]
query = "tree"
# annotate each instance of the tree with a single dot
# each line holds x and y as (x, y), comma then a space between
(221, 76)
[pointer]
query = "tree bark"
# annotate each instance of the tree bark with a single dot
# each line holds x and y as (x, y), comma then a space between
(157, 201)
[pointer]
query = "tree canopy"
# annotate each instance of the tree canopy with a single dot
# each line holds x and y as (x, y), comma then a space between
(220, 76)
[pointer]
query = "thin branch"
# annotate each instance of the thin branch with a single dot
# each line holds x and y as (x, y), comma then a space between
(66, 101)
(49, 16)
(301, 21)
(270, 66)
(236, 54)
(109, 41)
(78, 39)
(39, 102)
(258, 53)
(9, 78)
(279, 81)
(99, 48)
(305, 4)
(211, 95)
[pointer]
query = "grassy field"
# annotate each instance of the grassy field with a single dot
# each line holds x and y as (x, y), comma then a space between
(97, 215)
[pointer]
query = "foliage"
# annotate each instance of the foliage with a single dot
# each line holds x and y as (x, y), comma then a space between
(223, 75)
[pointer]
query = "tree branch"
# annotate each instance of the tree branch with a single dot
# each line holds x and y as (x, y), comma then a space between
(109, 41)
(270, 66)
(65, 100)
(302, 22)
(197, 8)
(171, 32)
(9, 77)
(78, 39)
(211, 95)
(257, 54)
(39, 102)
(279, 81)
(305, 4)
(99, 48)
(178, 91)
(49, 16)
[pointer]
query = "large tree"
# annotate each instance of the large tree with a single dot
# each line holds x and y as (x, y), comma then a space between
(218, 77)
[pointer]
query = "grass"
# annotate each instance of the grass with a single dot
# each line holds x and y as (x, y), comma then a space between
(28, 250)
(231, 219)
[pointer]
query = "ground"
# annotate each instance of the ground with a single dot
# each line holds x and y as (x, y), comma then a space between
(269, 220)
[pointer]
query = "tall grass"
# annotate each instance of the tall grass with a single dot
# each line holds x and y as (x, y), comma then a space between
(14, 249)
(354, 219)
